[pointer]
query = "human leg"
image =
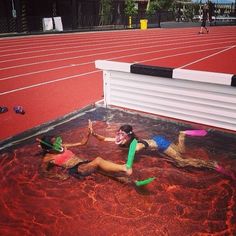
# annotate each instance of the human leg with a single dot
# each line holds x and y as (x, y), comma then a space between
(180, 146)
(192, 162)
(178, 160)
(104, 165)
(203, 25)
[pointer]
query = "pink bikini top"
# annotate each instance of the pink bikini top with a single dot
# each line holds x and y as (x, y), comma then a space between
(62, 158)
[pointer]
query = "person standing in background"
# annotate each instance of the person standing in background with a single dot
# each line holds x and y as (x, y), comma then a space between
(204, 19)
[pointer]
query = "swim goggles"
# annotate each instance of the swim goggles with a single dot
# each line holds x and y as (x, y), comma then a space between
(120, 137)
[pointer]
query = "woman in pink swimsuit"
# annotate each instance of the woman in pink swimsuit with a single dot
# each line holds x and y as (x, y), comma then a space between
(74, 165)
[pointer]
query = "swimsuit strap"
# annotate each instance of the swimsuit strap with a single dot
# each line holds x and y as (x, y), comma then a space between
(144, 143)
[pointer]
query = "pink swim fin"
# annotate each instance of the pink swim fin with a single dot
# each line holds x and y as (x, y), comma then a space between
(223, 171)
(199, 132)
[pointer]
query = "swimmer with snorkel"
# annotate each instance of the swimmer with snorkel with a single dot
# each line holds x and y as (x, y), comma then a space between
(57, 154)
(173, 152)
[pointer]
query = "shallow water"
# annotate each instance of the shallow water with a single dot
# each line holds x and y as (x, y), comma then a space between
(181, 201)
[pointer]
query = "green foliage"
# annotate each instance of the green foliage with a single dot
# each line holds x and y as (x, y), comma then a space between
(130, 9)
(105, 11)
(196, 8)
(153, 7)
(105, 7)
(157, 5)
(189, 11)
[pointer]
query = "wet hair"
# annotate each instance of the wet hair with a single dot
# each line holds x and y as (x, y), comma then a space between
(47, 139)
(128, 129)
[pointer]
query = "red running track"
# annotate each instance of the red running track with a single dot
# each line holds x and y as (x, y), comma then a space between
(53, 75)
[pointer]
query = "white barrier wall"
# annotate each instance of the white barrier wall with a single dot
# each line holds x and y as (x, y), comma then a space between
(210, 102)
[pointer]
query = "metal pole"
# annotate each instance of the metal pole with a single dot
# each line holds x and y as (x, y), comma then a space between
(13, 9)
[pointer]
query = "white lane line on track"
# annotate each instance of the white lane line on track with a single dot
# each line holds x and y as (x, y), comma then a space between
(204, 58)
(74, 76)
(48, 82)
(180, 54)
(83, 42)
(43, 71)
(84, 37)
(113, 58)
(108, 42)
(112, 47)
(76, 47)
(104, 53)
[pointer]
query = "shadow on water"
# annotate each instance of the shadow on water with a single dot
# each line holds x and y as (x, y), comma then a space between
(180, 201)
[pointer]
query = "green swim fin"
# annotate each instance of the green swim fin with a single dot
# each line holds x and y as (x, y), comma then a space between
(144, 182)
(132, 149)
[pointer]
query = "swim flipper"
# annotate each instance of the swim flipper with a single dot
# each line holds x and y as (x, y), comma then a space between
(144, 182)
(132, 149)
(200, 132)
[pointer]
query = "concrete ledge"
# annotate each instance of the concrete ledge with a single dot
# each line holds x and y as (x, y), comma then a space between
(109, 65)
(195, 96)
(184, 74)
(152, 70)
(233, 81)
(203, 76)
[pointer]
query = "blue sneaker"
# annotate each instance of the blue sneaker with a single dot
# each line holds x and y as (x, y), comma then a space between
(19, 110)
(3, 109)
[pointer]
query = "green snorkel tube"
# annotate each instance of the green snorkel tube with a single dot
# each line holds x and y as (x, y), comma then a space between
(57, 145)
(130, 160)
(131, 154)
(144, 182)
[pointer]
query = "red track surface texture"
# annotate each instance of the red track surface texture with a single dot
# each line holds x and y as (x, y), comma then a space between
(53, 75)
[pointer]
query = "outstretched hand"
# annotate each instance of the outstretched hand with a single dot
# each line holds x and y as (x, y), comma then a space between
(90, 126)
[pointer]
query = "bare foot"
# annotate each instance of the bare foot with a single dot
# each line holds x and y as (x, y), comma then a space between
(128, 171)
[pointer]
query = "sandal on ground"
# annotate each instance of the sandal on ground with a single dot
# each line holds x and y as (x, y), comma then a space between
(3, 109)
(19, 110)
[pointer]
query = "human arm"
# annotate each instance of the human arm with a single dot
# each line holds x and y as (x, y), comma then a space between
(98, 136)
(81, 143)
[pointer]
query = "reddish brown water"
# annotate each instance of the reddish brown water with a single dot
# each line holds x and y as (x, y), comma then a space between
(179, 202)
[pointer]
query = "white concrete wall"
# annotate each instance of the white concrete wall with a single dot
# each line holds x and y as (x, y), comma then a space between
(189, 100)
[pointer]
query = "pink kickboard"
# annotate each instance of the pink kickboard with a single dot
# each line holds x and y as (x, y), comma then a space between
(200, 132)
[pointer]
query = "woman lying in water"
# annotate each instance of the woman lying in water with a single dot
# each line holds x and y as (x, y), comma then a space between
(57, 154)
(173, 152)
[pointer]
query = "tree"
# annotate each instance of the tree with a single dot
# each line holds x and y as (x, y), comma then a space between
(156, 6)
(130, 9)
(105, 11)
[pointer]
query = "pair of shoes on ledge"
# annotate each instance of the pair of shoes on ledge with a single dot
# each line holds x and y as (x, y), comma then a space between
(17, 109)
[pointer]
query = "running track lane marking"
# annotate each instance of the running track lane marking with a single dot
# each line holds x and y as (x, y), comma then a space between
(114, 58)
(48, 82)
(94, 49)
(179, 54)
(214, 54)
(73, 76)
(109, 43)
(103, 53)
(43, 71)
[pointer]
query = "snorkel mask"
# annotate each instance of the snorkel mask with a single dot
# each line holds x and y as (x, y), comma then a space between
(122, 137)
(56, 146)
